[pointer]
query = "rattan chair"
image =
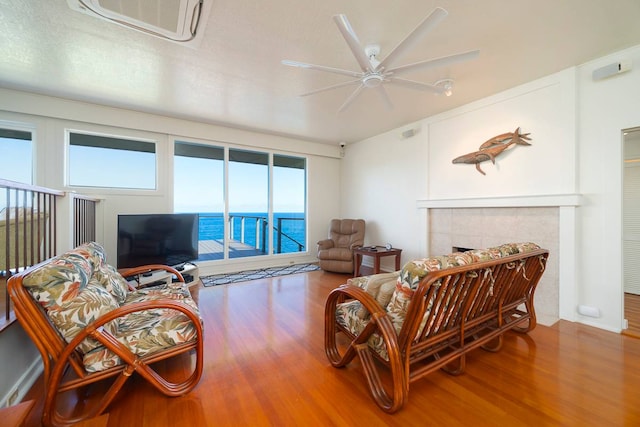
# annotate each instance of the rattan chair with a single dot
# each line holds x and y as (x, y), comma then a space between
(89, 326)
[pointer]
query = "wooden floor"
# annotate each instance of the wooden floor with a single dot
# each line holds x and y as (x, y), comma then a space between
(265, 366)
(632, 313)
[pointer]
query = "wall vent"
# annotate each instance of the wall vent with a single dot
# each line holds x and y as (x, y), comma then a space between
(176, 20)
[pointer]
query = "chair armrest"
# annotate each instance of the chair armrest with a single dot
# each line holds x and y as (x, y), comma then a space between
(145, 268)
(325, 244)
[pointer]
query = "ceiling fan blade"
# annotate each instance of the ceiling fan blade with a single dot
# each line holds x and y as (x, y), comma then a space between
(429, 23)
(417, 85)
(321, 68)
(351, 98)
(438, 62)
(384, 96)
(352, 40)
(350, 82)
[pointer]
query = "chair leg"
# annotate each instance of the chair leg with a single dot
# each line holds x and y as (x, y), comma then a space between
(389, 402)
(494, 348)
(51, 416)
(531, 324)
(457, 370)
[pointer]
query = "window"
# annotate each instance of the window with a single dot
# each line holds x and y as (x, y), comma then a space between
(17, 151)
(260, 209)
(111, 162)
(198, 182)
(289, 207)
(248, 203)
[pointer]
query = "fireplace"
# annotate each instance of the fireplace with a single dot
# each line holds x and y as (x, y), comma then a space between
(457, 225)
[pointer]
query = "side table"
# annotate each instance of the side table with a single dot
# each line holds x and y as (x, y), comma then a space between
(376, 252)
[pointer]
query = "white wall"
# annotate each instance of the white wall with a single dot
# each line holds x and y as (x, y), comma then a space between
(606, 107)
(381, 178)
(575, 125)
(544, 108)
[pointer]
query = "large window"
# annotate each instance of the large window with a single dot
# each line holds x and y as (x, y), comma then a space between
(251, 203)
(111, 162)
(16, 152)
(198, 184)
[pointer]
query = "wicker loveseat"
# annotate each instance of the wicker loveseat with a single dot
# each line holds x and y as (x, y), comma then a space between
(430, 314)
(89, 325)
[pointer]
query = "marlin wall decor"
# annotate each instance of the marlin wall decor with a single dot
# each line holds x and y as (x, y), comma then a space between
(493, 147)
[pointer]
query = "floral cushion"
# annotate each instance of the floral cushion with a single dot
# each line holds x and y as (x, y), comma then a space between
(78, 287)
(112, 281)
(348, 314)
(59, 280)
(83, 309)
(380, 286)
(149, 331)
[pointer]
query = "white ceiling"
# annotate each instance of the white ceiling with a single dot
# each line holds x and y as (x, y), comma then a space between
(235, 76)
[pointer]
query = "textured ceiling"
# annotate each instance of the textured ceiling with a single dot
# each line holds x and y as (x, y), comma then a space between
(235, 76)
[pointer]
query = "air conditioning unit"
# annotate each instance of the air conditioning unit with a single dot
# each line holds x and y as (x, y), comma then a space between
(176, 20)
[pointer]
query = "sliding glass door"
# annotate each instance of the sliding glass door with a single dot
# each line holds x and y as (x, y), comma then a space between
(198, 173)
(251, 203)
(248, 203)
(289, 207)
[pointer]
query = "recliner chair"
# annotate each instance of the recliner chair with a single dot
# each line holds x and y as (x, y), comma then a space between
(336, 253)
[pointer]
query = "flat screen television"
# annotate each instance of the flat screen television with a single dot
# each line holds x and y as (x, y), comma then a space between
(169, 239)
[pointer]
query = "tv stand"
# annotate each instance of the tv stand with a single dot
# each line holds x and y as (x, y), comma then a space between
(158, 277)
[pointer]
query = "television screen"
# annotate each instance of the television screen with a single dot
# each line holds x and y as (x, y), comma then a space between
(169, 239)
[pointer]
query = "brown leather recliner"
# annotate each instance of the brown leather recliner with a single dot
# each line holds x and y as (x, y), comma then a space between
(336, 253)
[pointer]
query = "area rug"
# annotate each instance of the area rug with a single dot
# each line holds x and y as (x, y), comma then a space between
(242, 276)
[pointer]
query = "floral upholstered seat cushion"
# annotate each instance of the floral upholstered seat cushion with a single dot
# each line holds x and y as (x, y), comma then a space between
(149, 331)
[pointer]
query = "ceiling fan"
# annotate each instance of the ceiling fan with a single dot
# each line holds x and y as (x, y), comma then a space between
(374, 73)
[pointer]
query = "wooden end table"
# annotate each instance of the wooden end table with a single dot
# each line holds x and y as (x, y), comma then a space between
(376, 252)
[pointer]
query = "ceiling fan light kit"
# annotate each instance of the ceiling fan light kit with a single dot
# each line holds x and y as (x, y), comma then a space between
(374, 74)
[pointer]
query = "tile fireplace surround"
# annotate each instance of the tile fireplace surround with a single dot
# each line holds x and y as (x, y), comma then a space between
(548, 221)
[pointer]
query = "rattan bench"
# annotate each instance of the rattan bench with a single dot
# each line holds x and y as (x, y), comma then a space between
(428, 315)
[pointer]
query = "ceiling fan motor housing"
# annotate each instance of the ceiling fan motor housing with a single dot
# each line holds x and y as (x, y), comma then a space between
(372, 80)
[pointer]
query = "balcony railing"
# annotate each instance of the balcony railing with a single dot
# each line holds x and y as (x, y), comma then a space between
(260, 226)
(29, 218)
(248, 231)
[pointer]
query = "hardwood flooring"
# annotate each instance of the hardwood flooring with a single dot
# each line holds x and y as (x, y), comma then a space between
(632, 314)
(265, 366)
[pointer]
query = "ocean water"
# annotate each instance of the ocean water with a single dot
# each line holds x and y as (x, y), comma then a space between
(291, 232)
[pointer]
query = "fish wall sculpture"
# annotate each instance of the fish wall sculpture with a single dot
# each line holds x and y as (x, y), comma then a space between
(494, 147)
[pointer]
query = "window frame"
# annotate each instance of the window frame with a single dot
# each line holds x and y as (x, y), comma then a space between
(271, 155)
(158, 140)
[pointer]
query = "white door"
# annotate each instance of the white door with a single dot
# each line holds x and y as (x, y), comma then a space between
(631, 212)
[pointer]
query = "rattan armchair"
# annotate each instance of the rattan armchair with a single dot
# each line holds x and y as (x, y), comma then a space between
(89, 326)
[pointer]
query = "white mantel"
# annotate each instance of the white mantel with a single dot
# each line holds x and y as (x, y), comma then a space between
(566, 205)
(548, 200)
